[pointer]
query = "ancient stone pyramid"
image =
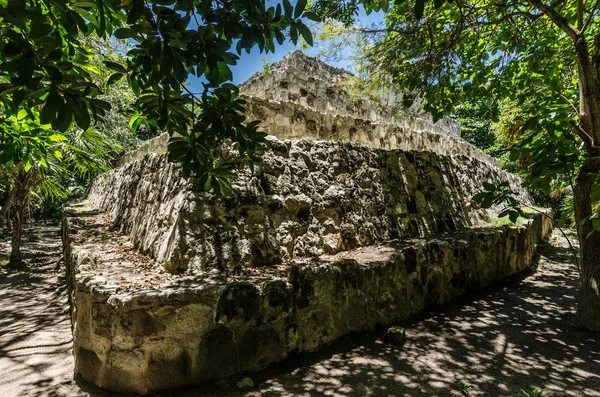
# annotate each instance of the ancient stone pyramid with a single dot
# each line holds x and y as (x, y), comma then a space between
(307, 197)
(301, 97)
(357, 216)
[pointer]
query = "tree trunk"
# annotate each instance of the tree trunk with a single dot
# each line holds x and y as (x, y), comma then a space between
(589, 240)
(589, 131)
(5, 210)
(8, 224)
(24, 182)
(16, 257)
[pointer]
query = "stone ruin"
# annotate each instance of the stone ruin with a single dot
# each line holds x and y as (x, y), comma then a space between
(357, 216)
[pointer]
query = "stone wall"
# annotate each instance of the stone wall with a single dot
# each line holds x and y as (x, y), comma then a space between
(189, 331)
(307, 82)
(288, 120)
(155, 145)
(306, 198)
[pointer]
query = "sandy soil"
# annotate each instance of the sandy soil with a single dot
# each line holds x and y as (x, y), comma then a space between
(497, 342)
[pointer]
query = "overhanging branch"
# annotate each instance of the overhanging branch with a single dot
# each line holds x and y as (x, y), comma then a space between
(555, 17)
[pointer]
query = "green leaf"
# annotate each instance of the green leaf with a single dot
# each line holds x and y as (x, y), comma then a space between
(306, 34)
(489, 186)
(294, 33)
(114, 78)
(300, 6)
(480, 197)
(115, 66)
(7, 153)
(287, 8)
(135, 122)
(51, 107)
(312, 16)
(57, 138)
(487, 204)
(124, 33)
(63, 119)
(419, 8)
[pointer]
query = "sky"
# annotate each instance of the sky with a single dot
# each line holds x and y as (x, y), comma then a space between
(248, 64)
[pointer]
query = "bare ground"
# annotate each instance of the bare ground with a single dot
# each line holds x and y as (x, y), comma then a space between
(517, 336)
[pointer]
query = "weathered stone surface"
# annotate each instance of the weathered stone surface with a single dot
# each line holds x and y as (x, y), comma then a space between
(290, 120)
(311, 84)
(322, 240)
(310, 199)
(193, 330)
(301, 97)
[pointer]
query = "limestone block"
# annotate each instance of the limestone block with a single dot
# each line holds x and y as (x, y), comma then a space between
(216, 357)
(239, 304)
(395, 336)
(147, 341)
(125, 371)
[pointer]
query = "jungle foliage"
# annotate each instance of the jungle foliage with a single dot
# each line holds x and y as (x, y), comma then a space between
(47, 73)
(55, 80)
(541, 58)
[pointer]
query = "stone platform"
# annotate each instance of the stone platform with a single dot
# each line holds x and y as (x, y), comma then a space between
(301, 97)
(171, 286)
(139, 329)
(305, 198)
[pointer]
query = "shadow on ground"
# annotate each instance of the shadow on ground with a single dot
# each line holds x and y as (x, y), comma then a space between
(517, 336)
(35, 339)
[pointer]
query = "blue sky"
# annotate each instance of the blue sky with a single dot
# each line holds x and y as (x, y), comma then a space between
(248, 64)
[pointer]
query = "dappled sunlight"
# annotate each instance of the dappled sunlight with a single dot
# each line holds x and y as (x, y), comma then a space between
(35, 328)
(517, 336)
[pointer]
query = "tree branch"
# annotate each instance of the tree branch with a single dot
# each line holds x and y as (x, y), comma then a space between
(590, 17)
(555, 17)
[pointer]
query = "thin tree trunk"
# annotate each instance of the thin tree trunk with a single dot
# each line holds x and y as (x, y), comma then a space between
(24, 182)
(16, 257)
(589, 240)
(8, 223)
(5, 210)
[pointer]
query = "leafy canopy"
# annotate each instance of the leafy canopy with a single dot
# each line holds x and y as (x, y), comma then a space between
(47, 74)
(518, 52)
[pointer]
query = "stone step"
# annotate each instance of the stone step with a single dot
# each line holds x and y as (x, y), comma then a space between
(292, 120)
(286, 82)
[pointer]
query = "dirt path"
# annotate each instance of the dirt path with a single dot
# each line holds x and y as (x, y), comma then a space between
(499, 341)
(35, 337)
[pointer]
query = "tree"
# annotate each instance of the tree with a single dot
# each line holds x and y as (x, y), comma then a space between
(543, 56)
(49, 70)
(67, 159)
(475, 129)
(45, 66)
(76, 159)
